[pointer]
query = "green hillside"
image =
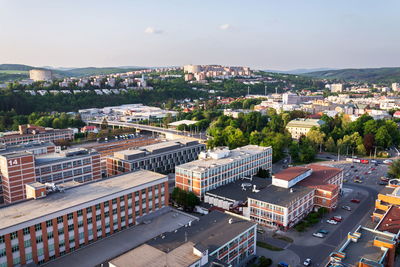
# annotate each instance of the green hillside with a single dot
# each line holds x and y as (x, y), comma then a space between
(79, 72)
(373, 75)
(11, 72)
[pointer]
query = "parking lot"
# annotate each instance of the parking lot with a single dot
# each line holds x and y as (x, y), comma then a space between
(366, 174)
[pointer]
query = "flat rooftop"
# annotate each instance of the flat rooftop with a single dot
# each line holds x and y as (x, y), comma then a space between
(154, 148)
(55, 202)
(234, 155)
(281, 196)
(211, 232)
(235, 192)
(24, 147)
(64, 155)
(364, 248)
(148, 256)
(391, 221)
(291, 173)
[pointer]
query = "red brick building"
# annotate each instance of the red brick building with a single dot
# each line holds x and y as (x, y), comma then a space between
(20, 168)
(31, 133)
(39, 230)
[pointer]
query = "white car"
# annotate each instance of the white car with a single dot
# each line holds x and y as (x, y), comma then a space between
(369, 172)
(320, 235)
(331, 221)
(307, 262)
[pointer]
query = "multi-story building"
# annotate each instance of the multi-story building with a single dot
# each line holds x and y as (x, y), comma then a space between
(30, 133)
(285, 199)
(217, 239)
(366, 247)
(40, 75)
(336, 87)
(160, 157)
(395, 87)
(222, 166)
(42, 229)
(299, 127)
(34, 148)
(20, 168)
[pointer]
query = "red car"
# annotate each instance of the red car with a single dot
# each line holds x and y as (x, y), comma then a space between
(365, 173)
(373, 169)
(355, 200)
(337, 218)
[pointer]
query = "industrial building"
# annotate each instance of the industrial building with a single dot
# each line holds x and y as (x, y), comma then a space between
(219, 167)
(40, 75)
(42, 229)
(160, 157)
(366, 247)
(285, 199)
(20, 168)
(217, 239)
(31, 133)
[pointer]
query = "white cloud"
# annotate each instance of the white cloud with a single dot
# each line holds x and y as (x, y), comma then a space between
(225, 26)
(152, 30)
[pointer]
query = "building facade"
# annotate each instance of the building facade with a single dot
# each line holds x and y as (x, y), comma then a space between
(30, 133)
(284, 200)
(161, 157)
(40, 230)
(20, 168)
(222, 166)
(299, 127)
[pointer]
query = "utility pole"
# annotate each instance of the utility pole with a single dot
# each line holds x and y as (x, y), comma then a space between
(338, 154)
(265, 87)
(248, 90)
(375, 153)
(276, 90)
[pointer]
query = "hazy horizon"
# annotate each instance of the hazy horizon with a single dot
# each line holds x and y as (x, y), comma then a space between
(303, 34)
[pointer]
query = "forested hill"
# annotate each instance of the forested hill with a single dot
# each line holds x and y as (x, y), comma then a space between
(373, 75)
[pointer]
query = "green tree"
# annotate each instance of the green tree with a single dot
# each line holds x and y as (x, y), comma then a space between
(394, 169)
(383, 137)
(330, 145)
(316, 138)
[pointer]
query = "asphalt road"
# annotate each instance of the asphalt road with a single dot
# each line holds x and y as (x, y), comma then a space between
(320, 252)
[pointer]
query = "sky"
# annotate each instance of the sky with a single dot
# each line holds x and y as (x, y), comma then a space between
(264, 34)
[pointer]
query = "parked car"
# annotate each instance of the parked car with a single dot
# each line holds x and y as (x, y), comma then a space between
(346, 208)
(307, 262)
(283, 264)
(373, 161)
(331, 221)
(355, 170)
(365, 173)
(357, 181)
(337, 218)
(352, 166)
(382, 183)
(323, 231)
(318, 235)
(388, 161)
(385, 179)
(355, 200)
(373, 169)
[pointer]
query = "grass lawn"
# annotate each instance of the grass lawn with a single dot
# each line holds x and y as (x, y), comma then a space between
(14, 71)
(268, 246)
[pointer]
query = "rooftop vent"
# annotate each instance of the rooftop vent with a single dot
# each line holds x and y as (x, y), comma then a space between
(230, 221)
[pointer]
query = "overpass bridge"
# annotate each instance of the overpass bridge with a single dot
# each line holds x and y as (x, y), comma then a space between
(169, 133)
